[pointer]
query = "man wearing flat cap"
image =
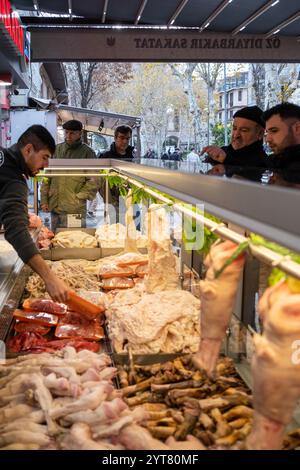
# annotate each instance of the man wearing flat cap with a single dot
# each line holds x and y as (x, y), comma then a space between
(246, 148)
(64, 196)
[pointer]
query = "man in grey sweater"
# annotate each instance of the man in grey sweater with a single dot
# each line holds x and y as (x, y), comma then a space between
(30, 155)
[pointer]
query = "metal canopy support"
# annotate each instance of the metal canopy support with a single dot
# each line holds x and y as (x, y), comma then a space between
(214, 14)
(254, 16)
(70, 10)
(283, 25)
(36, 6)
(140, 12)
(104, 11)
(177, 12)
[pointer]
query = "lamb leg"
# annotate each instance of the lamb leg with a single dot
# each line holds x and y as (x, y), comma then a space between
(276, 372)
(217, 300)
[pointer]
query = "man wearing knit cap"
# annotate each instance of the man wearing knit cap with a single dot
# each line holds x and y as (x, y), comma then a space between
(246, 148)
(66, 196)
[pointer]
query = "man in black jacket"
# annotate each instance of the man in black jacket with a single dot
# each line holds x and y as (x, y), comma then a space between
(283, 136)
(120, 148)
(30, 155)
(246, 148)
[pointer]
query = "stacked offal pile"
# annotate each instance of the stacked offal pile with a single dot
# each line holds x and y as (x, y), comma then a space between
(182, 401)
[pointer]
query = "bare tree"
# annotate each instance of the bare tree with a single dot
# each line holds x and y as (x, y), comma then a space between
(85, 74)
(258, 83)
(90, 82)
(209, 74)
(281, 82)
(184, 73)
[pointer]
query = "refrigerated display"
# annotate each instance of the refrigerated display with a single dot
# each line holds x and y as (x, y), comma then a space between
(227, 208)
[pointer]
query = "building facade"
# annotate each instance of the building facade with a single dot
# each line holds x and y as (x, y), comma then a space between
(236, 96)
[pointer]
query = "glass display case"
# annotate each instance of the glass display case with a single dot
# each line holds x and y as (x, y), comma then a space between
(227, 208)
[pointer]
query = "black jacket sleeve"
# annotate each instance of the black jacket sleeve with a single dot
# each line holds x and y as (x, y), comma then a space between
(14, 217)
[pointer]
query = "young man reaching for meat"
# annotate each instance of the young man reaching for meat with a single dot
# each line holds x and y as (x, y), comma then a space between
(30, 155)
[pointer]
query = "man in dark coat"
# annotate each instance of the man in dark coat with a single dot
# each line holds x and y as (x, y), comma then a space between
(283, 136)
(246, 148)
(120, 148)
(30, 155)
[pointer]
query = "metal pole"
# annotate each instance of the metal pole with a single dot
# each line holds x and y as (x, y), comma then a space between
(138, 142)
(208, 103)
(225, 107)
(35, 195)
(106, 202)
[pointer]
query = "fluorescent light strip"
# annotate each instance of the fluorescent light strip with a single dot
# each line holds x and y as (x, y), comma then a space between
(140, 12)
(177, 12)
(104, 11)
(214, 14)
(254, 16)
(283, 25)
(264, 254)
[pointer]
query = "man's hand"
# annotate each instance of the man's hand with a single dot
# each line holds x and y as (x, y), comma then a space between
(56, 288)
(45, 207)
(218, 170)
(214, 152)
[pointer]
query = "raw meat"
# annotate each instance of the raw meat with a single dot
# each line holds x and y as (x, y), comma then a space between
(40, 318)
(275, 367)
(44, 305)
(162, 273)
(22, 327)
(217, 301)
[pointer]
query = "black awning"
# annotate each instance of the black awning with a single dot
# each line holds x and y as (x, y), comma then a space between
(100, 122)
(226, 16)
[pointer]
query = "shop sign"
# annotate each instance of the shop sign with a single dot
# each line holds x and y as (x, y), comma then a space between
(9, 18)
(167, 46)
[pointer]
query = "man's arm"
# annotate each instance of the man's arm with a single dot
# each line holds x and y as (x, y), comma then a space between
(55, 287)
(14, 217)
(88, 190)
(215, 153)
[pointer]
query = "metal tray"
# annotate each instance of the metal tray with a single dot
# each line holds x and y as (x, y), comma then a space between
(144, 359)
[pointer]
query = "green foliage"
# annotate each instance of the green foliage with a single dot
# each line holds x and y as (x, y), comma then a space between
(260, 241)
(139, 195)
(218, 132)
(116, 181)
(209, 237)
(276, 274)
(240, 249)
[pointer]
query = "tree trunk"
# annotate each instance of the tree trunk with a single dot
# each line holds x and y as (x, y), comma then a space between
(209, 74)
(256, 87)
(272, 85)
(186, 79)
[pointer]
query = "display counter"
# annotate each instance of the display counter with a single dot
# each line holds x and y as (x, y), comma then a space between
(240, 206)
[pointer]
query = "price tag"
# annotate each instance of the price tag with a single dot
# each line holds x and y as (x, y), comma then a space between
(74, 220)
